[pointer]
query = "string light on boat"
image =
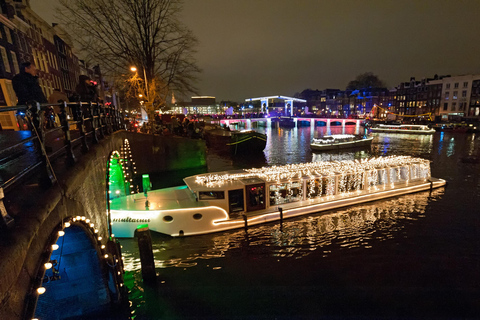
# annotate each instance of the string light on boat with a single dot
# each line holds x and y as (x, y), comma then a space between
(292, 171)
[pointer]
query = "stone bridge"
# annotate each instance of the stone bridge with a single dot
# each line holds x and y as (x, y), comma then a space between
(58, 255)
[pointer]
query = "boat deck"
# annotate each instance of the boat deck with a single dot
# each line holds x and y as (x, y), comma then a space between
(161, 199)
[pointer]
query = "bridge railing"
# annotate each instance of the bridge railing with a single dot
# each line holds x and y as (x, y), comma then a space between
(48, 136)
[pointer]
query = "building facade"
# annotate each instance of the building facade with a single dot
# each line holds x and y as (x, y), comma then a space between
(457, 95)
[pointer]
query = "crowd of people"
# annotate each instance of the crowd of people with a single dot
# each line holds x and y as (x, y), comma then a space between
(28, 91)
(188, 127)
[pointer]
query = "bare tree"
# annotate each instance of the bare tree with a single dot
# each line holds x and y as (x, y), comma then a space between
(142, 33)
(365, 80)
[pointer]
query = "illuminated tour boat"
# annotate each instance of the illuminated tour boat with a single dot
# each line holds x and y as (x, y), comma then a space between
(340, 141)
(403, 128)
(220, 201)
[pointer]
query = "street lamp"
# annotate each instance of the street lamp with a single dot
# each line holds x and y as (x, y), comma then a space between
(148, 102)
(134, 69)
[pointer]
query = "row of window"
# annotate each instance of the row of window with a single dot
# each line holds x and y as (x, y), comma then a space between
(455, 94)
(6, 61)
(461, 106)
(7, 33)
(326, 186)
(455, 85)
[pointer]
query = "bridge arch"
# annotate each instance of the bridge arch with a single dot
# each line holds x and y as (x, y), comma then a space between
(78, 197)
(76, 276)
(79, 192)
(79, 272)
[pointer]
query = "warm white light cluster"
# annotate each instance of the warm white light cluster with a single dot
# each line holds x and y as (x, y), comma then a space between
(329, 139)
(316, 169)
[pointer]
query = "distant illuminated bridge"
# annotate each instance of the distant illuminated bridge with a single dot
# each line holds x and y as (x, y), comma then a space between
(288, 102)
(248, 123)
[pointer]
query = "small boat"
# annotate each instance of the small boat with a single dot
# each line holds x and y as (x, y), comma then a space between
(340, 141)
(242, 142)
(214, 202)
(451, 127)
(403, 128)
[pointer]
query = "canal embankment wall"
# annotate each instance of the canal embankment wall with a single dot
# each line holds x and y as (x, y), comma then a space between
(80, 191)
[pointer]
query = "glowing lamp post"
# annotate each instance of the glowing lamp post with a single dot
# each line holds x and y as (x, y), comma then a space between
(134, 69)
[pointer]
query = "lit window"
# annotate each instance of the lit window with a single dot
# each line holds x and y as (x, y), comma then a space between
(6, 62)
(455, 94)
(447, 95)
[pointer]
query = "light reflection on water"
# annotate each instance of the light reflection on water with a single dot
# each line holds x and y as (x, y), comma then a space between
(385, 247)
(354, 225)
(351, 227)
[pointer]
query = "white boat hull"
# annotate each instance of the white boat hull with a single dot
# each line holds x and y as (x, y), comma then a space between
(199, 220)
(342, 145)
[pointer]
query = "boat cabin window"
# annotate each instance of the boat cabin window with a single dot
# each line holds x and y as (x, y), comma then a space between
(415, 171)
(317, 188)
(235, 202)
(350, 182)
(211, 195)
(404, 173)
(286, 192)
(255, 197)
(382, 176)
(394, 175)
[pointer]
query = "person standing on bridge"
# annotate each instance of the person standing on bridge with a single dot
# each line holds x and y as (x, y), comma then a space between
(26, 87)
(86, 89)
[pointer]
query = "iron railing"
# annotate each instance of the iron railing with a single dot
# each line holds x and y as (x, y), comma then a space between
(47, 136)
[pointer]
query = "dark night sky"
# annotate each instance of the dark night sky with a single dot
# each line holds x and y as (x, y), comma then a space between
(252, 48)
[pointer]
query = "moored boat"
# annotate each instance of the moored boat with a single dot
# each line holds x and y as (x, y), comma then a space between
(234, 142)
(214, 202)
(340, 141)
(451, 127)
(403, 128)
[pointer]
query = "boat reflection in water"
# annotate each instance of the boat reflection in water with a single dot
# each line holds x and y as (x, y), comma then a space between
(352, 227)
(340, 156)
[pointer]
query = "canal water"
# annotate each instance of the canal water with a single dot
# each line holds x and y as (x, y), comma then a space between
(410, 257)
